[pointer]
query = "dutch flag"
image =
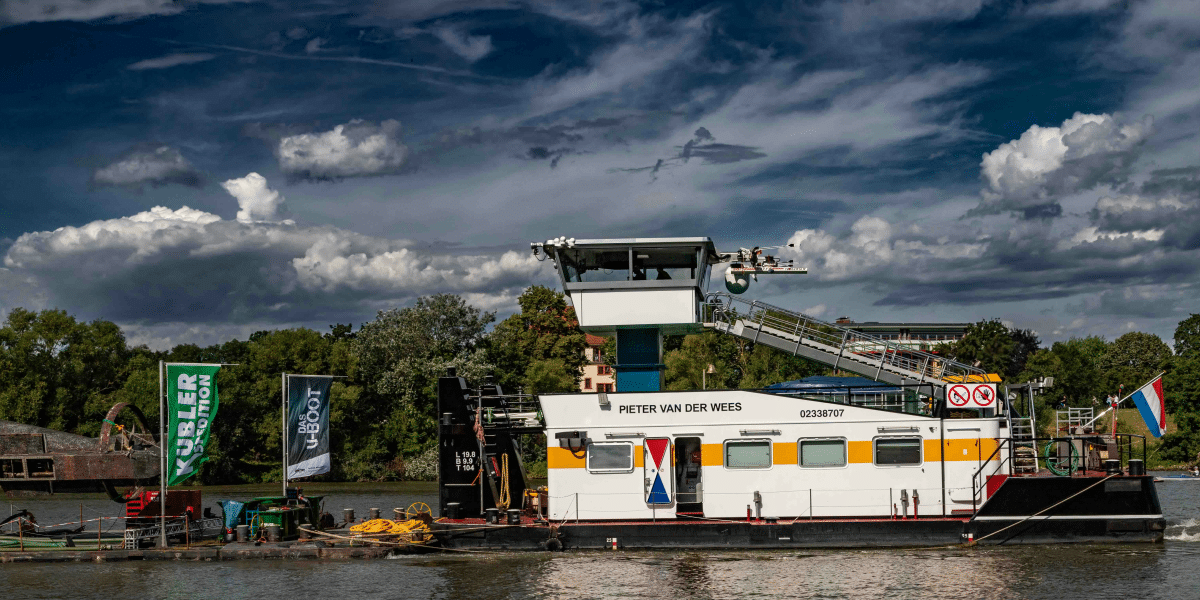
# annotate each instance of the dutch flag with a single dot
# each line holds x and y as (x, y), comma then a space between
(1152, 404)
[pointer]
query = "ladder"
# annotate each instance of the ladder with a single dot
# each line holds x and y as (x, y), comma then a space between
(833, 344)
(1024, 447)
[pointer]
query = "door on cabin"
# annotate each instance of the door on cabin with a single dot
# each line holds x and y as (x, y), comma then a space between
(660, 488)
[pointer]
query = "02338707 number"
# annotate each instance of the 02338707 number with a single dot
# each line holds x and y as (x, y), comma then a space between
(821, 413)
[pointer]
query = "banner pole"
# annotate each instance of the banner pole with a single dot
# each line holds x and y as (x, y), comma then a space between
(162, 460)
(284, 407)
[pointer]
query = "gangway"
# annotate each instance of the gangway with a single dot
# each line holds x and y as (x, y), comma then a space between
(135, 536)
(832, 344)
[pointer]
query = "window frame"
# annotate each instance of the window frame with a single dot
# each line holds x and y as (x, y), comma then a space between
(920, 450)
(588, 458)
(770, 454)
(845, 452)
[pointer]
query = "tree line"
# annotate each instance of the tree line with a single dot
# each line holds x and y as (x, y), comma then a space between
(1086, 370)
(62, 373)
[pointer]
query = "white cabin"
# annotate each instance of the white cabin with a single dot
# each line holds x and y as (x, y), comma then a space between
(717, 454)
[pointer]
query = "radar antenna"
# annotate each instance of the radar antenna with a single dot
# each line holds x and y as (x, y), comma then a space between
(746, 264)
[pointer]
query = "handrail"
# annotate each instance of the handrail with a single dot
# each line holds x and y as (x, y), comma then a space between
(978, 479)
(847, 340)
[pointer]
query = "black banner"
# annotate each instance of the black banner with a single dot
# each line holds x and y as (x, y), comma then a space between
(308, 426)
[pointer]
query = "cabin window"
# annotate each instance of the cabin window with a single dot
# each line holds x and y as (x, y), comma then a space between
(822, 453)
(898, 451)
(610, 457)
(748, 454)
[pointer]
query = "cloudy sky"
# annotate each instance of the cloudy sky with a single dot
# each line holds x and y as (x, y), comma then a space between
(196, 170)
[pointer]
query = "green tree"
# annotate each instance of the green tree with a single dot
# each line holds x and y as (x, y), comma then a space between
(738, 364)
(53, 368)
(401, 355)
(1182, 384)
(545, 332)
(1187, 336)
(988, 345)
(1133, 359)
(548, 376)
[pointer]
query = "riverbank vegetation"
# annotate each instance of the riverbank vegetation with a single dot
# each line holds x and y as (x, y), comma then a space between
(62, 373)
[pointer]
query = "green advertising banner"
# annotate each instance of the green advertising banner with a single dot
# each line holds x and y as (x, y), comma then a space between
(191, 408)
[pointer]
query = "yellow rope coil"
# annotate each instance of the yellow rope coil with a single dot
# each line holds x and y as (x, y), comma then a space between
(504, 500)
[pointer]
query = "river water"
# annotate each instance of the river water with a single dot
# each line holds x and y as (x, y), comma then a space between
(1168, 570)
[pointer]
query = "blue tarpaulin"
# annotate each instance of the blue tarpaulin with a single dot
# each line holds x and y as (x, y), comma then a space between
(821, 384)
(233, 511)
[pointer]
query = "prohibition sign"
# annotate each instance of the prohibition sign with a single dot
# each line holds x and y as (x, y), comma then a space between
(958, 395)
(983, 395)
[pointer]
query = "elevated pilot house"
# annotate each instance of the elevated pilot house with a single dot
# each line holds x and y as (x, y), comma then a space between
(637, 289)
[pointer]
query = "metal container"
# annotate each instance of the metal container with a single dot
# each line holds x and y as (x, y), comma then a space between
(1137, 468)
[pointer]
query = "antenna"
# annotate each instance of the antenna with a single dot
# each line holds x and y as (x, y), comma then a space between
(746, 264)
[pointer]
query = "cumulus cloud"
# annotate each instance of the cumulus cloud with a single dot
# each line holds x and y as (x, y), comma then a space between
(29, 11)
(155, 166)
(1030, 173)
(1166, 206)
(872, 247)
(183, 266)
(462, 43)
(354, 149)
(256, 201)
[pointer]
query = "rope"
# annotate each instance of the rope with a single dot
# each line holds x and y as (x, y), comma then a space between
(504, 500)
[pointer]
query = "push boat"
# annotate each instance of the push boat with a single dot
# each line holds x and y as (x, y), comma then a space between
(936, 453)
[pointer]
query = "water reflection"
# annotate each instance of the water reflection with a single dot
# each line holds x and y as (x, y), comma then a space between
(1167, 571)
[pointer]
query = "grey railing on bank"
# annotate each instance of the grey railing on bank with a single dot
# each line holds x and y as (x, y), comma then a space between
(841, 347)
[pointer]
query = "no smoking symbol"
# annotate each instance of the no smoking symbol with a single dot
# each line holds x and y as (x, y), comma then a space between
(959, 395)
(984, 395)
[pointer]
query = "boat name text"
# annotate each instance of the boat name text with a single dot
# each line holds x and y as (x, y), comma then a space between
(697, 407)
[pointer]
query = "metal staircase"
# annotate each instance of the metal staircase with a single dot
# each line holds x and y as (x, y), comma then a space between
(832, 344)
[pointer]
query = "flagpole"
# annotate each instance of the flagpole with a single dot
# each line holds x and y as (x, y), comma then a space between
(162, 460)
(284, 407)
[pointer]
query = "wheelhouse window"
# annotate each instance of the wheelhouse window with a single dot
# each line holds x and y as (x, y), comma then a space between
(898, 451)
(610, 457)
(822, 453)
(748, 454)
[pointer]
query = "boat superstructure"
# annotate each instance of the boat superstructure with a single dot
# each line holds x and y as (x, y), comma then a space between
(946, 458)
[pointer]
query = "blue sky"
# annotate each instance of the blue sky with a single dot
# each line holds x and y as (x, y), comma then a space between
(199, 170)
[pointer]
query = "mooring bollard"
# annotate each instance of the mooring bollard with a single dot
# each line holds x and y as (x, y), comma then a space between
(243, 533)
(373, 513)
(348, 515)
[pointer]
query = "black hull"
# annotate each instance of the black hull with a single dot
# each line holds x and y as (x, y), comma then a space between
(1038, 510)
